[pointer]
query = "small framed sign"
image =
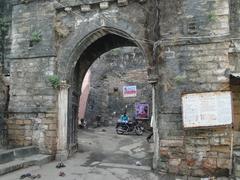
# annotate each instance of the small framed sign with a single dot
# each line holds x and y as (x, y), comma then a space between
(129, 91)
(141, 110)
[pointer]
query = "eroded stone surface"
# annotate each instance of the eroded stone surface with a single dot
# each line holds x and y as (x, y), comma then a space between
(194, 54)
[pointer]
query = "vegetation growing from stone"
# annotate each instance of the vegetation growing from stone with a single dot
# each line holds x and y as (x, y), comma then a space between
(36, 37)
(54, 80)
(179, 79)
(212, 17)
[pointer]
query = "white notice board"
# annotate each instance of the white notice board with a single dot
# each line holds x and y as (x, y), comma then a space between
(207, 109)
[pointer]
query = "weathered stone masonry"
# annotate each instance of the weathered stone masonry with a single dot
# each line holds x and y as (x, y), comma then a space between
(112, 71)
(197, 47)
(32, 106)
(193, 58)
(193, 151)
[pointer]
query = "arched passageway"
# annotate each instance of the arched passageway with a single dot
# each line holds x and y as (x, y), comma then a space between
(73, 72)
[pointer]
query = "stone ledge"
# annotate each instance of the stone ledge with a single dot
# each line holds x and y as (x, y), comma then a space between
(171, 143)
(194, 40)
(38, 159)
(66, 3)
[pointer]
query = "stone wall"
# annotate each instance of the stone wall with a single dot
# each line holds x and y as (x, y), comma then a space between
(193, 56)
(187, 18)
(189, 69)
(32, 112)
(3, 109)
(32, 118)
(112, 71)
(5, 35)
(33, 101)
(3, 97)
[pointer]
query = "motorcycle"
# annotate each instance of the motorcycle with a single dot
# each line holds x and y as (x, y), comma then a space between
(131, 126)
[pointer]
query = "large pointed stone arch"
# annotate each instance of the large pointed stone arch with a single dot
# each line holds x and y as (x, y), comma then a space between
(73, 62)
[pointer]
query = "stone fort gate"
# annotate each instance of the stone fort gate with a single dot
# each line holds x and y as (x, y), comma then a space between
(197, 49)
(72, 35)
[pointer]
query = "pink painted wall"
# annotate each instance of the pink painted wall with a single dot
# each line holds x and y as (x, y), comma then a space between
(84, 95)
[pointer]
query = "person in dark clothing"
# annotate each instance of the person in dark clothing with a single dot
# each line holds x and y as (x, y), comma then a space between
(150, 135)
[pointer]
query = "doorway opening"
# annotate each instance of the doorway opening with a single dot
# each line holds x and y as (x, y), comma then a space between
(103, 101)
(116, 62)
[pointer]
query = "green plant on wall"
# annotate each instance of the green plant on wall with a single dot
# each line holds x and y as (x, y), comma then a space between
(36, 36)
(179, 79)
(54, 80)
(212, 17)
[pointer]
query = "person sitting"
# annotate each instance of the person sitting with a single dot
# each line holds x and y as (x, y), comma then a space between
(123, 119)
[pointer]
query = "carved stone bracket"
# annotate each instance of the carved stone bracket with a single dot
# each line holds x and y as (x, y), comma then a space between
(64, 85)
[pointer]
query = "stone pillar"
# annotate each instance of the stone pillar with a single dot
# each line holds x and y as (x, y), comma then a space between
(153, 82)
(62, 151)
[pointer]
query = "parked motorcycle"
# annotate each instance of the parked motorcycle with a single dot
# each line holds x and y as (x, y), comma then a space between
(131, 126)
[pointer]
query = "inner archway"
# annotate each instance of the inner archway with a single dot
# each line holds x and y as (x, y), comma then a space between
(104, 43)
(73, 71)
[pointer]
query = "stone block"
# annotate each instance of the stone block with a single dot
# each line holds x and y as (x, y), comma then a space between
(104, 5)
(174, 162)
(27, 143)
(191, 162)
(198, 172)
(209, 164)
(19, 132)
(236, 167)
(163, 166)
(51, 134)
(19, 122)
(223, 163)
(225, 141)
(10, 121)
(28, 138)
(212, 154)
(189, 148)
(52, 126)
(5, 157)
(171, 143)
(12, 126)
(122, 2)
(221, 149)
(48, 121)
(27, 122)
(41, 115)
(173, 169)
(85, 8)
(237, 174)
(214, 140)
(51, 115)
(164, 151)
(201, 141)
(19, 137)
(224, 155)
(27, 127)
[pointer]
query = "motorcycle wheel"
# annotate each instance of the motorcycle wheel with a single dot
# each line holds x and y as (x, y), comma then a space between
(138, 130)
(119, 130)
